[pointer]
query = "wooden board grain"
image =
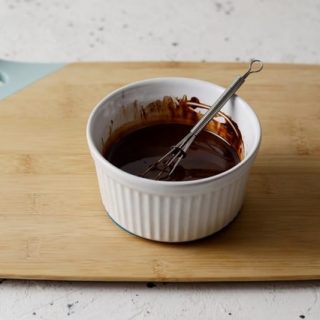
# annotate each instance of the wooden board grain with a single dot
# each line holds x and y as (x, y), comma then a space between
(53, 225)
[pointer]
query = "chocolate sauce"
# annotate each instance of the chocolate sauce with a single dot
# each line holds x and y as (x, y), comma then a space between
(135, 151)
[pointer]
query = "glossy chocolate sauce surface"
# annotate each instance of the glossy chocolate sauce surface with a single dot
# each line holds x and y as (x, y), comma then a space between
(136, 151)
(155, 127)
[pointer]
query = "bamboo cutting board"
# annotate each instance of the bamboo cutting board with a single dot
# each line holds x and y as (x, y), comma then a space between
(53, 225)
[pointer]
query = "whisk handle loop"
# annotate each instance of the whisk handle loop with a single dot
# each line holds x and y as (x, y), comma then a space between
(255, 66)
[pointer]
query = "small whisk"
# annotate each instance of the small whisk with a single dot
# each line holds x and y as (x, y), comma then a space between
(167, 164)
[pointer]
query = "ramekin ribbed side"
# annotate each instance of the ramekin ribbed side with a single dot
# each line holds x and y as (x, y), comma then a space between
(172, 217)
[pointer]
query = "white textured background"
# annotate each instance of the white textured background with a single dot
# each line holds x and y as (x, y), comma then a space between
(62, 30)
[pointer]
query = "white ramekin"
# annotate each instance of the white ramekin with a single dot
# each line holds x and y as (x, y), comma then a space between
(170, 211)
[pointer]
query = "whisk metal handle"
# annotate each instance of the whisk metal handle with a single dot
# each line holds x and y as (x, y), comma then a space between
(255, 66)
(167, 164)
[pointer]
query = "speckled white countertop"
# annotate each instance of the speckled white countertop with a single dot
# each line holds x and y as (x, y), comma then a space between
(234, 30)
(62, 30)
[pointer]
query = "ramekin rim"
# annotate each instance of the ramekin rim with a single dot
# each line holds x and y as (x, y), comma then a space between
(136, 179)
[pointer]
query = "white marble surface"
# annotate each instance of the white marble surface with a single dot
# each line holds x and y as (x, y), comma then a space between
(238, 301)
(234, 30)
(62, 30)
